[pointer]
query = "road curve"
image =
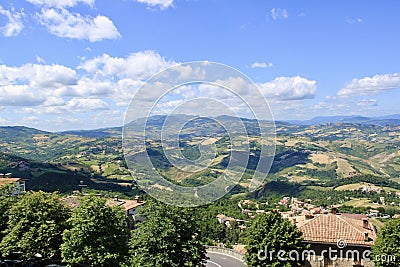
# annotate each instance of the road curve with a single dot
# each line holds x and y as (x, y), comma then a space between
(223, 260)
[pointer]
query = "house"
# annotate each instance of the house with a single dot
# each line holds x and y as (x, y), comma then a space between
(223, 219)
(131, 208)
(284, 201)
(18, 184)
(340, 240)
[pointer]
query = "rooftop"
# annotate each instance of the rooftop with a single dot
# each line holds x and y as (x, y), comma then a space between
(355, 229)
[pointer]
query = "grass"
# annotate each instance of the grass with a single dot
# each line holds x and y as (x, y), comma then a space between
(362, 202)
(319, 188)
(351, 187)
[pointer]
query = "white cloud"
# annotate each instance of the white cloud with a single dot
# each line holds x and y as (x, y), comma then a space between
(60, 3)
(86, 105)
(279, 13)
(289, 88)
(38, 76)
(14, 23)
(48, 76)
(34, 84)
(367, 103)
(188, 73)
(371, 85)
(29, 121)
(160, 3)
(140, 65)
(76, 105)
(261, 65)
(353, 20)
(19, 95)
(40, 60)
(88, 87)
(62, 23)
(126, 89)
(48, 87)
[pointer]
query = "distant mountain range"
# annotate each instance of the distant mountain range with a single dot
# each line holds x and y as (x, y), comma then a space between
(381, 121)
(13, 133)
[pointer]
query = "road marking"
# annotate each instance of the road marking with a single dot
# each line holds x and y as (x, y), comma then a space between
(214, 263)
(220, 253)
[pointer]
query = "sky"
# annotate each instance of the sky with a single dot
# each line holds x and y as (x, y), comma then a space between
(76, 64)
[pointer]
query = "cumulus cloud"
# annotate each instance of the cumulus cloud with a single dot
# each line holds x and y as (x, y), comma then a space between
(160, 3)
(279, 13)
(289, 88)
(19, 95)
(33, 84)
(88, 86)
(62, 23)
(371, 85)
(38, 76)
(140, 65)
(261, 65)
(85, 105)
(53, 89)
(14, 23)
(59, 3)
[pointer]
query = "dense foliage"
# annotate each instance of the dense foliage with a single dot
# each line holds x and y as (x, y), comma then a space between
(269, 232)
(98, 235)
(6, 202)
(35, 226)
(386, 251)
(168, 236)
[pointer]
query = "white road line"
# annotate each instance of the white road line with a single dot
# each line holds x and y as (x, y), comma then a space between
(220, 253)
(214, 263)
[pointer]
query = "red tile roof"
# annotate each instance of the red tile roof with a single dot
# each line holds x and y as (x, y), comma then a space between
(330, 228)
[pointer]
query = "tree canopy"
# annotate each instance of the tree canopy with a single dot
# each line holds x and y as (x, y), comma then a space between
(6, 201)
(386, 251)
(35, 225)
(98, 235)
(269, 234)
(167, 237)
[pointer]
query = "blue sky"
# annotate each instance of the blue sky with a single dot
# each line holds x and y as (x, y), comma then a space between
(75, 64)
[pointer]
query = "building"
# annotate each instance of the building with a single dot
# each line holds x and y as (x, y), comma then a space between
(349, 237)
(131, 207)
(223, 219)
(17, 184)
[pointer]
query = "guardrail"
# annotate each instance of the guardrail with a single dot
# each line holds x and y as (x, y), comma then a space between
(227, 251)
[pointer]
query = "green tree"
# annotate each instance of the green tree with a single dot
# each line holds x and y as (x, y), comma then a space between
(6, 202)
(268, 233)
(168, 236)
(98, 235)
(386, 251)
(35, 225)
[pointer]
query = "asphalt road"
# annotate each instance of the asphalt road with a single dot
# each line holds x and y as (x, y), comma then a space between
(222, 260)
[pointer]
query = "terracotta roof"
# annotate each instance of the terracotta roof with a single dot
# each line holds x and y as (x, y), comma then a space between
(330, 228)
(4, 181)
